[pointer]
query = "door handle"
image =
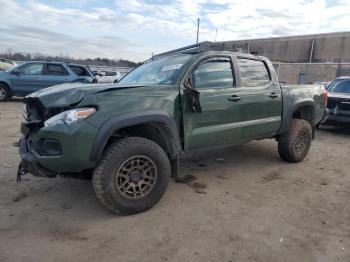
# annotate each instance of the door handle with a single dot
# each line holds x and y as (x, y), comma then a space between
(274, 95)
(234, 98)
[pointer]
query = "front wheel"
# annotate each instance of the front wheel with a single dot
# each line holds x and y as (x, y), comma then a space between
(131, 176)
(5, 93)
(294, 145)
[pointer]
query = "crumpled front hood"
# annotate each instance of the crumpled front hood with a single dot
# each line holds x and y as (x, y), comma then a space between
(69, 94)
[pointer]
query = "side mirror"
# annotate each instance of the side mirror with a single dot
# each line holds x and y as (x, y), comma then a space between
(15, 72)
(194, 96)
(188, 83)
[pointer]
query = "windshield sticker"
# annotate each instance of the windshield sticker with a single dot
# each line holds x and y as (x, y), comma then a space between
(171, 67)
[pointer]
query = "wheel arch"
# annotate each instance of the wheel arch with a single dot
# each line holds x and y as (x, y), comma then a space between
(6, 84)
(2, 82)
(305, 110)
(156, 125)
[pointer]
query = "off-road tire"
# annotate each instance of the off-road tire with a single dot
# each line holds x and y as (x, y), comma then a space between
(6, 91)
(105, 175)
(288, 144)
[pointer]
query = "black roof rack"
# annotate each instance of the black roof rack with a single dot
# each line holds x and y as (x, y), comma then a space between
(197, 48)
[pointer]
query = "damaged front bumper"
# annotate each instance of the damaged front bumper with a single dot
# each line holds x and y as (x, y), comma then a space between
(30, 162)
(56, 150)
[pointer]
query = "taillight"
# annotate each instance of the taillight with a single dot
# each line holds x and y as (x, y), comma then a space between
(325, 98)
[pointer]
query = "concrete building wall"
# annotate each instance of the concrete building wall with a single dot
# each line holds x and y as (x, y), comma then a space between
(298, 73)
(331, 47)
(329, 55)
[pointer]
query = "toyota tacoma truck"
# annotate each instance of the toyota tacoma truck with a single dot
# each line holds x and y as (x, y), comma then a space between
(132, 135)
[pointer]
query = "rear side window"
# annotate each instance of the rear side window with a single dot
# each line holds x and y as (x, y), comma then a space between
(213, 74)
(339, 86)
(253, 72)
(111, 73)
(79, 70)
(55, 70)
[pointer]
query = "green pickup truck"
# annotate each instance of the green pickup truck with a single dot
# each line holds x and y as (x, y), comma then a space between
(132, 135)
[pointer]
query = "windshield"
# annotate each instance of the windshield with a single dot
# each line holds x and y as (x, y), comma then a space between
(14, 67)
(162, 71)
(339, 86)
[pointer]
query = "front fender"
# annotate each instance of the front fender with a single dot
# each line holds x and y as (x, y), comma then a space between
(130, 119)
(6, 82)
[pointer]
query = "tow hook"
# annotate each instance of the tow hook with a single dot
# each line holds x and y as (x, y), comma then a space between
(20, 172)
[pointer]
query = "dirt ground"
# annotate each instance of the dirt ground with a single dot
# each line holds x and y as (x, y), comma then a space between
(253, 207)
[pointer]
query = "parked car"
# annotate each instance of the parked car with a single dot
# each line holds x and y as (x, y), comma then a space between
(325, 84)
(6, 64)
(133, 134)
(33, 76)
(108, 76)
(339, 101)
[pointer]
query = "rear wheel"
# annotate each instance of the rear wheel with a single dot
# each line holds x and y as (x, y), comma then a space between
(131, 176)
(4, 93)
(294, 145)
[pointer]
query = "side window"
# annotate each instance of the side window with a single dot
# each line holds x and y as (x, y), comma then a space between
(213, 74)
(32, 69)
(55, 70)
(109, 73)
(253, 72)
(80, 71)
(103, 73)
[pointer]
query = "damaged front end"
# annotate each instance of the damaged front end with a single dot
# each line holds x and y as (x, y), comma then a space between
(29, 162)
(42, 142)
(35, 115)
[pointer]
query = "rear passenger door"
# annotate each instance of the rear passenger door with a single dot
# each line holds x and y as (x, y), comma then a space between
(261, 108)
(54, 74)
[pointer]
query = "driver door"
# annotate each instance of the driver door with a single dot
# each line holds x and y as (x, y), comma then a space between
(27, 78)
(214, 78)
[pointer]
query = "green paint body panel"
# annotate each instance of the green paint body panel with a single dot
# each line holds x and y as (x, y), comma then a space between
(76, 142)
(221, 122)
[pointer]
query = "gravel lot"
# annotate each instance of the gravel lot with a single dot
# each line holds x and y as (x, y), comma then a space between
(254, 207)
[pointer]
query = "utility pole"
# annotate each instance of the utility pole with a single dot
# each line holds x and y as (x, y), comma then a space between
(312, 49)
(216, 34)
(197, 29)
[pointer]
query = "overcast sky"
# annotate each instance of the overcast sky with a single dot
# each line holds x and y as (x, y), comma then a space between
(133, 29)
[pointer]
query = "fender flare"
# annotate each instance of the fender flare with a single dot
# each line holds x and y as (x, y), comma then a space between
(130, 119)
(296, 106)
